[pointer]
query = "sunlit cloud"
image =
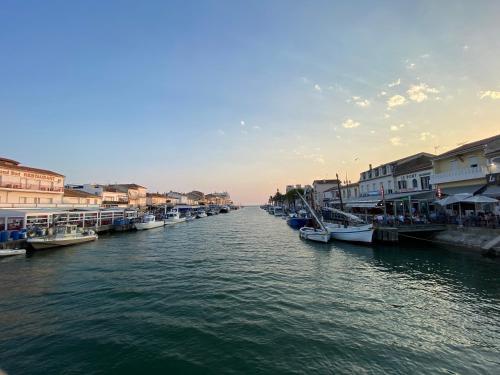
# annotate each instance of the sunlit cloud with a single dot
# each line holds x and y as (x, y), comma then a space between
(394, 128)
(465, 47)
(426, 135)
(242, 123)
(494, 95)
(363, 103)
(317, 87)
(396, 101)
(395, 83)
(395, 141)
(350, 124)
(256, 127)
(419, 93)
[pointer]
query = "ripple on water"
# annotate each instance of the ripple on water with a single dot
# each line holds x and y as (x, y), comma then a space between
(242, 293)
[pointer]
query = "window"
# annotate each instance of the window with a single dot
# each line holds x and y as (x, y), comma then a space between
(425, 182)
(473, 161)
(415, 183)
(373, 187)
(402, 185)
(376, 172)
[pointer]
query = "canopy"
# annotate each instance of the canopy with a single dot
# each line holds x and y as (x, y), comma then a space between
(453, 199)
(345, 214)
(480, 199)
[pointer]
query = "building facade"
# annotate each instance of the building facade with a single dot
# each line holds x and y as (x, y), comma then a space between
(156, 199)
(27, 186)
(463, 169)
(81, 198)
(320, 187)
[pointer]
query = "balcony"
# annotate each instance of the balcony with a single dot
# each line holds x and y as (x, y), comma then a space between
(461, 174)
(31, 187)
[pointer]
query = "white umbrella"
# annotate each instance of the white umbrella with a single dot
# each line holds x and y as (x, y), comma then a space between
(453, 199)
(480, 199)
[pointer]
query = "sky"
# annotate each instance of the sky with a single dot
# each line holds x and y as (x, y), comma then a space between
(242, 96)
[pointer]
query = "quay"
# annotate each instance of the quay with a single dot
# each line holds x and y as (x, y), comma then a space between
(392, 234)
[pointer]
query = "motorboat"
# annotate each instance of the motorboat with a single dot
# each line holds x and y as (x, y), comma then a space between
(313, 234)
(212, 212)
(173, 217)
(201, 214)
(224, 209)
(65, 235)
(349, 227)
(10, 252)
(278, 211)
(189, 216)
(149, 222)
(298, 220)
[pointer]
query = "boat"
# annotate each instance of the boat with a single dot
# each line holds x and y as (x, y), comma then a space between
(350, 228)
(278, 211)
(201, 214)
(149, 222)
(65, 235)
(173, 217)
(189, 216)
(224, 209)
(298, 220)
(313, 234)
(212, 212)
(10, 252)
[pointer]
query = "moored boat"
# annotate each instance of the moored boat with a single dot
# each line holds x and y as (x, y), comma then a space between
(149, 222)
(65, 236)
(201, 214)
(313, 234)
(224, 209)
(10, 252)
(350, 228)
(173, 217)
(298, 220)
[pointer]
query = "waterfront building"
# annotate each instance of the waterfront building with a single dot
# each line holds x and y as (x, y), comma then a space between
(492, 154)
(156, 199)
(218, 198)
(23, 186)
(136, 194)
(76, 197)
(463, 169)
(195, 197)
(175, 198)
(323, 192)
(109, 196)
(413, 173)
(349, 190)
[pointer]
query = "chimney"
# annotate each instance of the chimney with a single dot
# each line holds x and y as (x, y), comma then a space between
(370, 167)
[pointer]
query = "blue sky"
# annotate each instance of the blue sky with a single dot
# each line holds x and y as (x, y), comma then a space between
(242, 96)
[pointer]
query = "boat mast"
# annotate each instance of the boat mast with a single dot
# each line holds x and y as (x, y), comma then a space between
(340, 193)
(312, 211)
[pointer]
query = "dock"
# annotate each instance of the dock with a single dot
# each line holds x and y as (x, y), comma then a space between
(395, 233)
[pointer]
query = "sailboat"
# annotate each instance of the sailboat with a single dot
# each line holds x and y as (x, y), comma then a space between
(352, 228)
(314, 234)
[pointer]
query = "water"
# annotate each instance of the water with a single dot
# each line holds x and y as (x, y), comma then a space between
(241, 293)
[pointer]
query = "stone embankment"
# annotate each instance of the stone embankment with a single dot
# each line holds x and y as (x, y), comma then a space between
(482, 239)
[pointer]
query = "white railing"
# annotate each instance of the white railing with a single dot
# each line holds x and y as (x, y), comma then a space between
(47, 205)
(459, 175)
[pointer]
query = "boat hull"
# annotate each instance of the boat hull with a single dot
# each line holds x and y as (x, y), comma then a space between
(10, 252)
(363, 234)
(175, 221)
(297, 222)
(149, 225)
(45, 243)
(312, 234)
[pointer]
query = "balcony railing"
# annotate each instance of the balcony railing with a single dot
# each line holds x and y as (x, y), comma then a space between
(459, 175)
(31, 187)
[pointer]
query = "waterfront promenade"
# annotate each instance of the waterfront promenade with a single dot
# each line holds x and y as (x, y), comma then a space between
(242, 293)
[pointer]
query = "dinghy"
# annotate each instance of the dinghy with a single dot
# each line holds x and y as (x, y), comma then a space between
(312, 234)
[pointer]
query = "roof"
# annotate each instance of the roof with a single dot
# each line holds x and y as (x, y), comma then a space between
(468, 147)
(422, 162)
(129, 186)
(78, 194)
(156, 195)
(471, 189)
(319, 182)
(12, 164)
(334, 188)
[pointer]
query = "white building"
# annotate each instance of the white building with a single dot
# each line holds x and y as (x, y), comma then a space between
(320, 187)
(22, 186)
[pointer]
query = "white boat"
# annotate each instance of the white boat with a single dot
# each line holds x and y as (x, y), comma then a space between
(312, 234)
(10, 252)
(149, 222)
(201, 214)
(351, 233)
(352, 228)
(174, 217)
(65, 236)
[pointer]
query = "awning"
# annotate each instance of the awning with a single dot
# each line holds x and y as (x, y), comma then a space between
(368, 202)
(471, 189)
(492, 191)
(417, 195)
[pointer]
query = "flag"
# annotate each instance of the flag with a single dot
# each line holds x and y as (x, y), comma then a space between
(382, 192)
(438, 192)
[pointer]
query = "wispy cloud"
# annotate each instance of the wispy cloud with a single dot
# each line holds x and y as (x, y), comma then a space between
(395, 141)
(394, 128)
(317, 87)
(425, 135)
(465, 47)
(221, 132)
(242, 123)
(425, 56)
(396, 101)
(419, 93)
(350, 124)
(395, 83)
(256, 127)
(363, 103)
(494, 95)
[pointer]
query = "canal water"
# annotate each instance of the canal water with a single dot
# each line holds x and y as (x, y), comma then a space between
(241, 293)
